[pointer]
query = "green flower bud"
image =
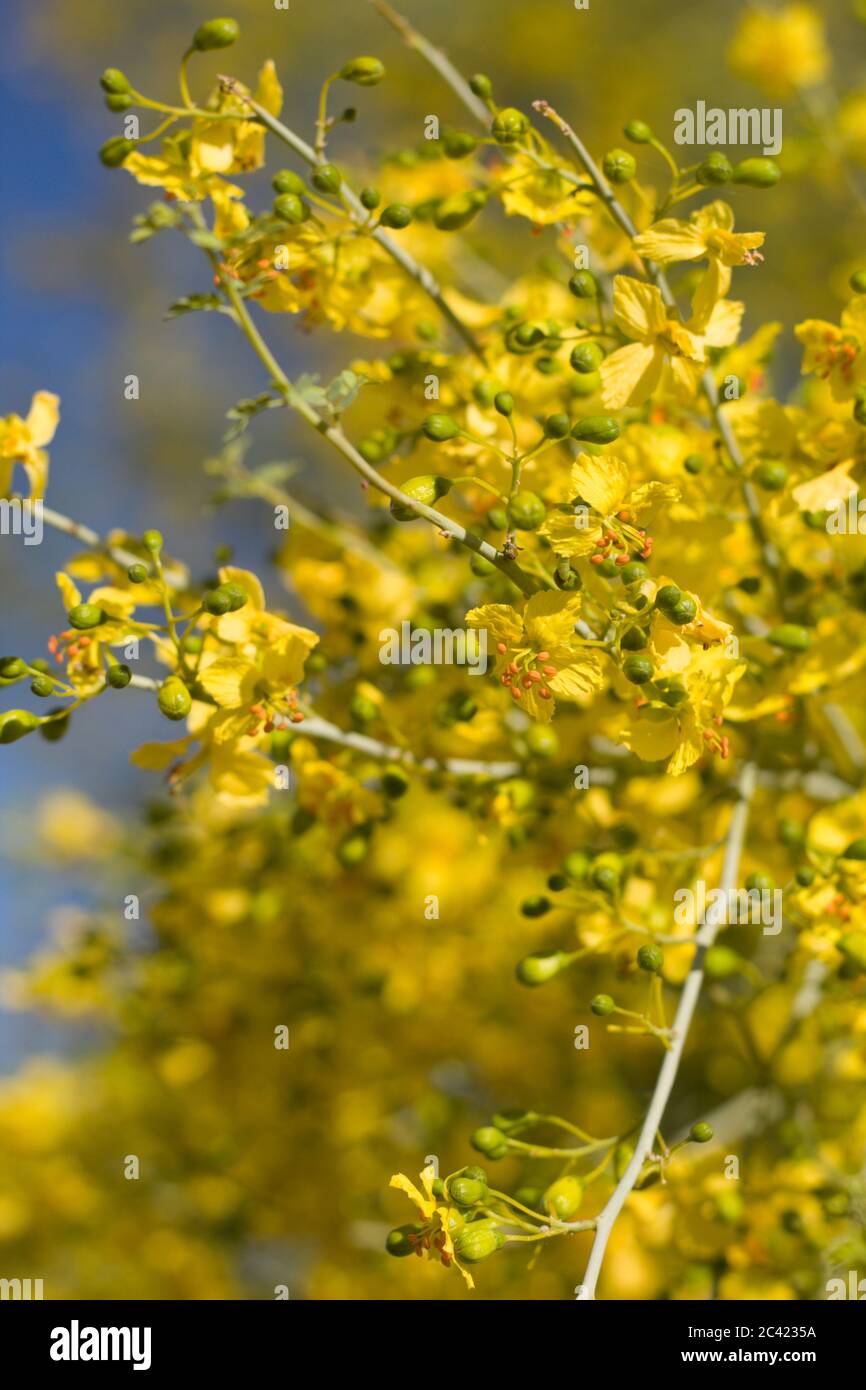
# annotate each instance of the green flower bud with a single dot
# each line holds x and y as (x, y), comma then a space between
(398, 1241)
(577, 864)
(366, 72)
(535, 907)
(583, 285)
(634, 572)
(16, 723)
(114, 82)
(791, 832)
(715, 169)
(215, 33)
(396, 216)
(370, 198)
(619, 166)
(55, 726)
(503, 401)
(527, 511)
(12, 668)
(327, 178)
(458, 211)
(602, 1005)
(805, 876)
(287, 181)
(605, 878)
(856, 850)
(352, 851)
(42, 686)
(288, 207)
(858, 282)
(683, 612)
(237, 595)
(720, 962)
(596, 429)
(362, 709)
(477, 1242)
(457, 144)
(667, 597)
(440, 428)
(693, 464)
(137, 574)
(650, 958)
(860, 407)
(634, 639)
(481, 85)
(852, 944)
(542, 741)
(701, 1133)
(395, 783)
(426, 488)
(116, 150)
(538, 968)
(557, 883)
(586, 357)
(672, 692)
(217, 602)
(565, 577)
(467, 1192)
(790, 637)
(152, 541)
(490, 1141)
(758, 172)
(118, 101)
(173, 698)
(771, 475)
(638, 132)
(86, 615)
(557, 426)
(638, 669)
(563, 1198)
(118, 676)
(509, 126)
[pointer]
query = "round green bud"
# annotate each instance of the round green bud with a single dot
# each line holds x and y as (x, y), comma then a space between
(853, 948)
(720, 962)
(370, 197)
(527, 335)
(563, 1198)
(503, 401)
(650, 958)
(118, 676)
(440, 428)
(791, 832)
(634, 639)
(483, 568)
(12, 668)
(362, 709)
(557, 882)
(40, 664)
(586, 357)
(481, 86)
(509, 126)
(458, 211)
(557, 426)
(715, 169)
(288, 207)
(761, 883)
(683, 612)
(477, 1242)
(858, 282)
(583, 285)
(638, 132)
(605, 878)
(619, 166)
(860, 407)
(638, 669)
(535, 907)
(327, 178)
(527, 511)
(152, 541)
(366, 72)
(426, 488)
(701, 1133)
(667, 597)
(173, 698)
(352, 851)
(237, 595)
(118, 101)
(86, 615)
(217, 602)
(790, 637)
(287, 181)
(114, 82)
(596, 429)
(16, 723)
(215, 33)
(693, 464)
(856, 850)
(400, 1241)
(395, 783)
(116, 150)
(42, 686)
(771, 475)
(457, 144)
(538, 968)
(576, 865)
(634, 572)
(467, 1192)
(602, 1005)
(137, 574)
(490, 1141)
(396, 216)
(55, 726)
(672, 692)
(757, 172)
(805, 876)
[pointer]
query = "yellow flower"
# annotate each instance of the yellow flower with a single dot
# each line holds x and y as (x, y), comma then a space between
(438, 1221)
(537, 654)
(542, 195)
(632, 373)
(603, 485)
(837, 354)
(23, 441)
(687, 731)
(231, 146)
(708, 233)
(780, 51)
